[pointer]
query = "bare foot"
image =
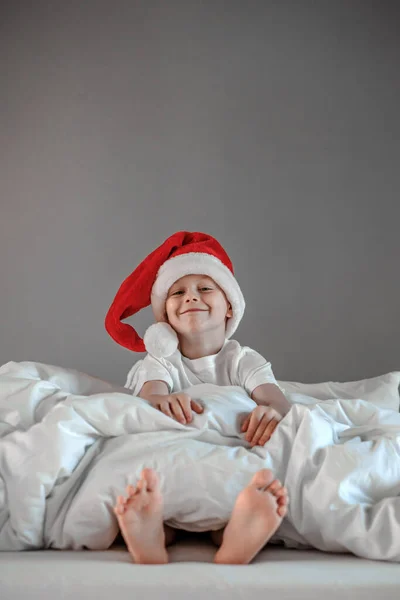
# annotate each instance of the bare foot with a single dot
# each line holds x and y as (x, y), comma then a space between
(140, 518)
(257, 514)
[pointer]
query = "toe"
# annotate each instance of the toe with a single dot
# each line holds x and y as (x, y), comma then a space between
(262, 478)
(142, 485)
(282, 510)
(151, 479)
(130, 491)
(119, 509)
(283, 493)
(275, 487)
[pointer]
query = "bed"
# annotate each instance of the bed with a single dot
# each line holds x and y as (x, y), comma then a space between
(287, 574)
(73, 572)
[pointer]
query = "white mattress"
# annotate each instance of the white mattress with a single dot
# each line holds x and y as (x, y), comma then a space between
(287, 574)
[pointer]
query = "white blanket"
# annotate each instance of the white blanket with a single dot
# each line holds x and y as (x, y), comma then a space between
(71, 443)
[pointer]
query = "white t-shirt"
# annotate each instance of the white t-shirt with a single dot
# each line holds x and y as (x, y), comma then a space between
(232, 365)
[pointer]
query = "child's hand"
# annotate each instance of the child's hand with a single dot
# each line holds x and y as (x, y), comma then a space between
(177, 406)
(260, 424)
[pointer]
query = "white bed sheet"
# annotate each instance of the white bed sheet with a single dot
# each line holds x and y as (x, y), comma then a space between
(276, 572)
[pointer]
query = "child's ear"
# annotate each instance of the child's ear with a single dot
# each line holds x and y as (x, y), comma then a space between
(229, 312)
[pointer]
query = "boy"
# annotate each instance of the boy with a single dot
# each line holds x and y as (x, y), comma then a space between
(198, 305)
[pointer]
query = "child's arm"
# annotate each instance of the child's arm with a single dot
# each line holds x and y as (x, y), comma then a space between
(177, 406)
(269, 394)
(153, 388)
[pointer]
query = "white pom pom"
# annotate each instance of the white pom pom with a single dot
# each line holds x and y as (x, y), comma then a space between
(160, 340)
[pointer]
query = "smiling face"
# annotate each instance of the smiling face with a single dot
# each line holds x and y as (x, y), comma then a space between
(196, 304)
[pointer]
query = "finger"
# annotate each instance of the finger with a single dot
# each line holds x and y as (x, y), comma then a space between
(269, 430)
(259, 431)
(177, 412)
(254, 421)
(246, 422)
(272, 425)
(165, 408)
(197, 407)
(184, 402)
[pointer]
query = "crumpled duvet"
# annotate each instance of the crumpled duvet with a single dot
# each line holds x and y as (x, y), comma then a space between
(70, 443)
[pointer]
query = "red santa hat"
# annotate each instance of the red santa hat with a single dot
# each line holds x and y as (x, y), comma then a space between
(184, 253)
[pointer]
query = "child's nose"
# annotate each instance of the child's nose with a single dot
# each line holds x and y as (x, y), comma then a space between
(191, 297)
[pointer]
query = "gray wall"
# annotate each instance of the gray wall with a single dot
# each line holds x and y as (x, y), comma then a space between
(272, 125)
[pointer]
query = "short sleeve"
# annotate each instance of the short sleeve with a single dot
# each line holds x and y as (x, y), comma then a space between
(254, 370)
(148, 369)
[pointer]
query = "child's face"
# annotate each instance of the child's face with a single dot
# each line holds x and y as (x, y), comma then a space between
(196, 304)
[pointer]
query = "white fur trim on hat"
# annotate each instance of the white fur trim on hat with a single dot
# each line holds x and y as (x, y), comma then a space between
(198, 263)
(160, 340)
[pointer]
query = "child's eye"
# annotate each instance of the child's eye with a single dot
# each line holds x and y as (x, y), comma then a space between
(205, 289)
(177, 293)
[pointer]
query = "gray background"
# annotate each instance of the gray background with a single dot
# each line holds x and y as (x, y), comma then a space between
(274, 126)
